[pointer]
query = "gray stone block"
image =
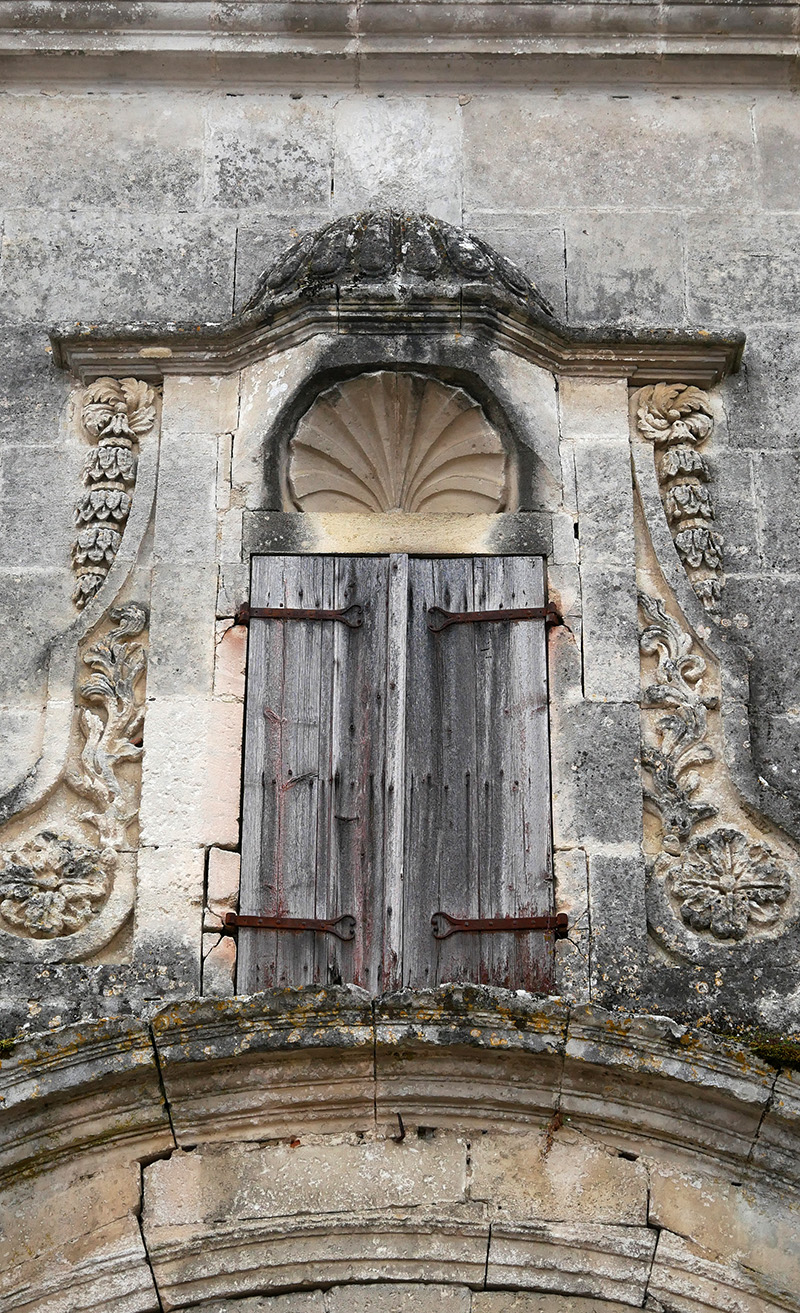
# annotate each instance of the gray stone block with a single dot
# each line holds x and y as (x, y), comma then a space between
(625, 268)
(737, 509)
(146, 267)
(33, 392)
(36, 605)
(272, 151)
(772, 606)
(129, 150)
(762, 401)
(186, 519)
(644, 150)
(597, 788)
(619, 927)
(376, 138)
(610, 635)
(777, 477)
(743, 270)
(40, 487)
(20, 735)
(182, 630)
(605, 503)
(534, 242)
(777, 132)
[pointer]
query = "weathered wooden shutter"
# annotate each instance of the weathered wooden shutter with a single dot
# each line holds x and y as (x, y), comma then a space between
(393, 772)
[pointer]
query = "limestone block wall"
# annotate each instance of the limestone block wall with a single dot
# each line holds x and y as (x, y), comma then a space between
(657, 205)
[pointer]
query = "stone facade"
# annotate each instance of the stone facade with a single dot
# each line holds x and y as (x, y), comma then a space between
(454, 280)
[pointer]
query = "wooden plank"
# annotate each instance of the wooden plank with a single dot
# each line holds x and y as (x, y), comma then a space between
(395, 796)
(514, 826)
(440, 857)
(288, 677)
(350, 874)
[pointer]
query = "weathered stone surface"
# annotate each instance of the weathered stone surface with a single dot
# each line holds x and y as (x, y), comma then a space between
(181, 659)
(273, 152)
(625, 268)
(758, 275)
(192, 786)
(557, 1176)
(259, 1067)
(248, 1182)
(135, 152)
(596, 780)
(67, 266)
(71, 1242)
(89, 1087)
(648, 152)
(580, 1258)
(373, 139)
(502, 1301)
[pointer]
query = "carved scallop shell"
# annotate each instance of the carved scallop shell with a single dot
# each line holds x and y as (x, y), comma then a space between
(397, 442)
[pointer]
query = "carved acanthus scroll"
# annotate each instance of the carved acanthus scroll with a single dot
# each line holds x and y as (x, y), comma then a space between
(115, 413)
(725, 883)
(53, 884)
(678, 419)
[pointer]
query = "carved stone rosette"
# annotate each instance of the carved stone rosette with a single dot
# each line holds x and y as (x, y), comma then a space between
(678, 419)
(54, 884)
(723, 884)
(115, 413)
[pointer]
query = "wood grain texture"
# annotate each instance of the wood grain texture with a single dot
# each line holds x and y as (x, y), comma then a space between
(391, 773)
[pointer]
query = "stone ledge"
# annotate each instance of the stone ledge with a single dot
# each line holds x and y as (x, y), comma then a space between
(335, 1061)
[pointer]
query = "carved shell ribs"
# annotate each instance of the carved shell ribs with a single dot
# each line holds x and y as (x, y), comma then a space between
(115, 413)
(392, 441)
(387, 246)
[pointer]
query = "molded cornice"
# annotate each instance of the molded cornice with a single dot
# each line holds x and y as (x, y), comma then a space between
(212, 40)
(385, 273)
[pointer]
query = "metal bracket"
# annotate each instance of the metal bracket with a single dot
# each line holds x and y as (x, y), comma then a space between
(352, 616)
(343, 927)
(444, 925)
(439, 619)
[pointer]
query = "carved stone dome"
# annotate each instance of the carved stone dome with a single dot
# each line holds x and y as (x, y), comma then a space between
(385, 246)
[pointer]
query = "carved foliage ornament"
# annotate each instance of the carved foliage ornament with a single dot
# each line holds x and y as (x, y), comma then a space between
(722, 883)
(115, 413)
(678, 419)
(53, 884)
(396, 442)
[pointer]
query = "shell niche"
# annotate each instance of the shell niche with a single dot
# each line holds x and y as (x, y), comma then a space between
(397, 442)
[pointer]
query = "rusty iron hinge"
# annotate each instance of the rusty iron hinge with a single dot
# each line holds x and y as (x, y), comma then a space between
(352, 616)
(445, 925)
(343, 927)
(439, 619)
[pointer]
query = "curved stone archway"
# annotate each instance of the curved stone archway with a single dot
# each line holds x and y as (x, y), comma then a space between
(469, 1150)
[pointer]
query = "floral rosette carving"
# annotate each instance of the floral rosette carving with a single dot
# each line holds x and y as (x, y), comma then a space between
(677, 419)
(54, 884)
(725, 883)
(115, 413)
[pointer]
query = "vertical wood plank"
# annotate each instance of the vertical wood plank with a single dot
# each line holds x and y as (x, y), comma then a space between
(352, 875)
(393, 844)
(514, 831)
(440, 856)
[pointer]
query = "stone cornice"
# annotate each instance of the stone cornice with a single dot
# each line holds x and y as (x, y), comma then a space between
(151, 352)
(210, 40)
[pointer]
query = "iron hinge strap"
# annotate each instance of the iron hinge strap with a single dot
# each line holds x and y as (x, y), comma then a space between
(438, 619)
(444, 925)
(352, 616)
(343, 927)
